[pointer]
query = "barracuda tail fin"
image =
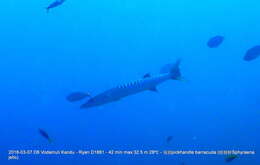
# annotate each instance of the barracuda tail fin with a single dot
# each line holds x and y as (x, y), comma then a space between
(173, 69)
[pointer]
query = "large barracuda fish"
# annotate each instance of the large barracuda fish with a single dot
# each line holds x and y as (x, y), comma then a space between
(147, 83)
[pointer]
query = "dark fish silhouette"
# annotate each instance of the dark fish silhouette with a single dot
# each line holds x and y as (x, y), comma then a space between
(55, 4)
(169, 139)
(77, 96)
(45, 135)
(214, 42)
(145, 84)
(230, 158)
(147, 75)
(252, 53)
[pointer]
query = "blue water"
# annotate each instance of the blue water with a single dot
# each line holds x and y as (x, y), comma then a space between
(91, 46)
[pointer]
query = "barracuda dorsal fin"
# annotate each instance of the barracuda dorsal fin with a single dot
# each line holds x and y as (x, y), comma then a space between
(147, 75)
(154, 89)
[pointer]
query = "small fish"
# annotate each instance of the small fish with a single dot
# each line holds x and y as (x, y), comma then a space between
(169, 139)
(147, 75)
(252, 53)
(55, 4)
(45, 135)
(230, 158)
(77, 96)
(215, 42)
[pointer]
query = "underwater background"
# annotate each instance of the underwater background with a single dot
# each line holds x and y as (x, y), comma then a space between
(91, 46)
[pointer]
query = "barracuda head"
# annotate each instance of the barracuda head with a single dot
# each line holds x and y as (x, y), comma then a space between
(98, 100)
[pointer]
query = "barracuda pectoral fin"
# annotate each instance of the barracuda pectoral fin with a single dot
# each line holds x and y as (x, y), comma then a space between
(147, 75)
(154, 89)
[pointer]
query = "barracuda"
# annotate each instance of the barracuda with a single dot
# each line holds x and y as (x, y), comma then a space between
(147, 83)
